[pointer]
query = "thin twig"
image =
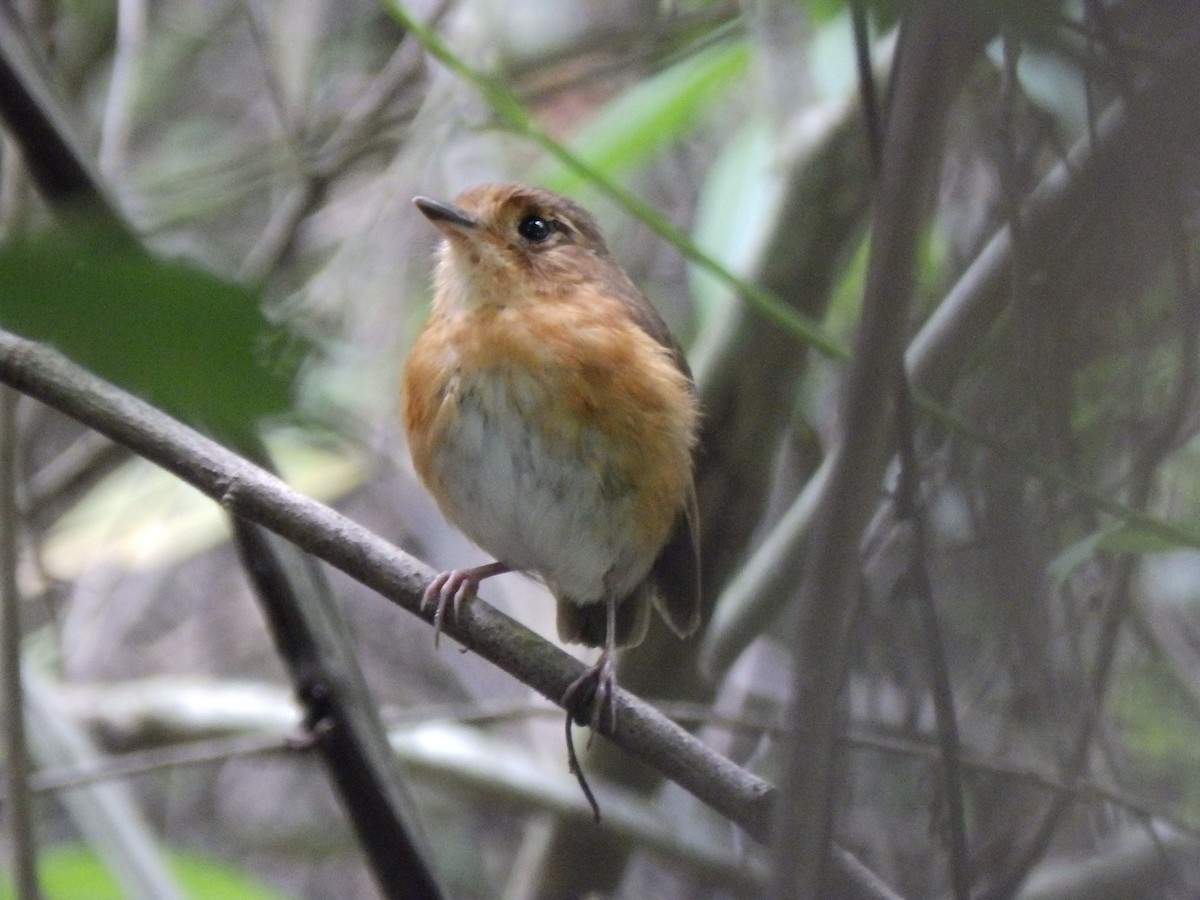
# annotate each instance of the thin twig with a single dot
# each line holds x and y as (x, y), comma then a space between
(122, 86)
(317, 168)
(79, 463)
(344, 730)
(867, 94)
(250, 493)
(935, 46)
(1067, 196)
(908, 509)
(16, 751)
(36, 120)
(279, 235)
(197, 746)
(287, 118)
(402, 67)
(246, 491)
(145, 762)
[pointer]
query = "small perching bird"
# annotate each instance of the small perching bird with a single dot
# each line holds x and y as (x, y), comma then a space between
(553, 417)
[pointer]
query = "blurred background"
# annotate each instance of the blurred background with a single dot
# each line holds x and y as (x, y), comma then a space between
(267, 153)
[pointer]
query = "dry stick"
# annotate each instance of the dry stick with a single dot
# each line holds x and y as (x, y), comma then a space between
(908, 508)
(935, 46)
(920, 587)
(322, 667)
(323, 670)
(248, 492)
(25, 97)
(19, 806)
(867, 94)
(316, 166)
(116, 125)
(199, 747)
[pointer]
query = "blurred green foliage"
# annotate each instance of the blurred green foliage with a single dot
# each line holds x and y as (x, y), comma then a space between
(1158, 721)
(193, 344)
(72, 872)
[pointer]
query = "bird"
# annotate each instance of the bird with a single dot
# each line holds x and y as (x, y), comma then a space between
(553, 417)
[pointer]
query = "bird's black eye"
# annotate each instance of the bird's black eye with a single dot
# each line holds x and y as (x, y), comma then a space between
(535, 229)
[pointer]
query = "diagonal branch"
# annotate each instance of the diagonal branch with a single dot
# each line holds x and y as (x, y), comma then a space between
(250, 493)
(299, 603)
(254, 495)
(37, 121)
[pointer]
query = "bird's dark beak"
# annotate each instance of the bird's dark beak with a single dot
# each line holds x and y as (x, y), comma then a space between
(445, 216)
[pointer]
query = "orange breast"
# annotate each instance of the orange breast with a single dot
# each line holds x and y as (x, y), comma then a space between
(600, 403)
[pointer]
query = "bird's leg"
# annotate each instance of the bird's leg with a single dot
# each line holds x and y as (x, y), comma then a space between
(454, 588)
(595, 690)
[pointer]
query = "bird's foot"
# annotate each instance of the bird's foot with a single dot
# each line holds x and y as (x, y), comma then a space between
(453, 588)
(591, 698)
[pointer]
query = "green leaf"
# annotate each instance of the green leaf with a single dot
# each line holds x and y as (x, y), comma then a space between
(1131, 537)
(824, 10)
(1156, 720)
(1075, 555)
(73, 872)
(1122, 537)
(187, 341)
(649, 116)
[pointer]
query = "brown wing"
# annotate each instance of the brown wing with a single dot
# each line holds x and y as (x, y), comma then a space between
(675, 576)
(644, 314)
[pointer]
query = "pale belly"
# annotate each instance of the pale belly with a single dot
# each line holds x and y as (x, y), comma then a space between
(555, 511)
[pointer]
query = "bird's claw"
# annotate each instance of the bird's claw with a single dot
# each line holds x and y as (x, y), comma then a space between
(448, 589)
(594, 692)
